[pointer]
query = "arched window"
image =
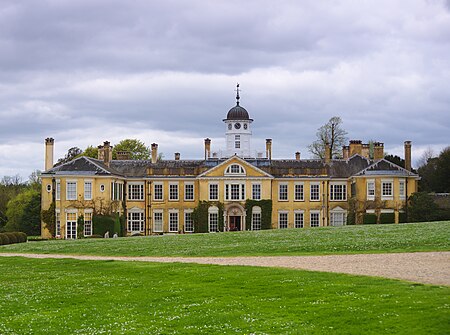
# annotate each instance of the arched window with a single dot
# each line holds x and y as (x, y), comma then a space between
(235, 169)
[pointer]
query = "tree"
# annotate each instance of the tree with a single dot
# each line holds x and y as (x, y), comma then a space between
(23, 212)
(435, 173)
(395, 159)
(90, 151)
(427, 155)
(331, 133)
(136, 148)
(72, 153)
(10, 187)
(422, 208)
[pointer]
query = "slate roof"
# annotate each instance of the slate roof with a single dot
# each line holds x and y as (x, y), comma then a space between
(354, 166)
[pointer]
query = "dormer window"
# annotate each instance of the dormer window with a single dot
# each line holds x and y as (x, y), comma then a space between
(235, 169)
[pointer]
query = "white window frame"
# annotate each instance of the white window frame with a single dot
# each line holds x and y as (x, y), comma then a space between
(302, 198)
(299, 219)
(256, 218)
(174, 196)
(69, 189)
(280, 214)
(188, 212)
(136, 217)
(402, 189)
(88, 223)
(72, 232)
(186, 193)
(311, 191)
(283, 195)
(338, 196)
(213, 219)
(88, 190)
(58, 223)
(131, 194)
(229, 170)
(256, 190)
(216, 191)
(311, 213)
(370, 187)
(58, 190)
(158, 226)
(333, 215)
(387, 196)
(159, 184)
(240, 191)
(174, 221)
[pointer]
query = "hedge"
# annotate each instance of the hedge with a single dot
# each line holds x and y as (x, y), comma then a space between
(102, 224)
(369, 218)
(387, 218)
(402, 218)
(13, 237)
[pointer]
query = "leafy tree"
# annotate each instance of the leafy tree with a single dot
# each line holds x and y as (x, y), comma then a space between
(422, 208)
(72, 153)
(331, 133)
(395, 159)
(136, 148)
(23, 212)
(10, 187)
(90, 151)
(435, 173)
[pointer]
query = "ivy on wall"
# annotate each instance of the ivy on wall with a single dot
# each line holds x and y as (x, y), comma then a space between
(80, 226)
(266, 213)
(200, 216)
(48, 216)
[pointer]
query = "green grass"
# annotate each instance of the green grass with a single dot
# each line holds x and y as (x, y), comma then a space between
(98, 297)
(432, 236)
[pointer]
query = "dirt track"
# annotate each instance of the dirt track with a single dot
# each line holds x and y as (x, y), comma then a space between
(421, 267)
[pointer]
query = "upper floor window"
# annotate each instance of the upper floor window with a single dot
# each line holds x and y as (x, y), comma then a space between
(188, 191)
(235, 169)
(58, 190)
(401, 189)
(213, 192)
(282, 192)
(71, 193)
(371, 189)
(158, 191)
(87, 190)
(338, 192)
(386, 189)
(116, 191)
(315, 192)
(298, 192)
(136, 191)
(235, 191)
(256, 191)
(173, 191)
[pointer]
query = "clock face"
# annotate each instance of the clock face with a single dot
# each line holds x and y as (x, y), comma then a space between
(245, 126)
(229, 126)
(237, 125)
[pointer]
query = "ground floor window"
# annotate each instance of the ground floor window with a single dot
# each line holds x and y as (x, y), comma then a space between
(256, 221)
(173, 222)
(87, 223)
(58, 223)
(213, 219)
(71, 225)
(298, 219)
(135, 221)
(282, 220)
(315, 219)
(188, 222)
(338, 218)
(158, 222)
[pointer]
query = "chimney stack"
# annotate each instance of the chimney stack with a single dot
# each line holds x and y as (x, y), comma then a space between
(297, 156)
(269, 148)
(107, 153)
(355, 147)
(123, 155)
(408, 155)
(177, 156)
(345, 151)
(327, 152)
(49, 142)
(154, 153)
(378, 150)
(207, 148)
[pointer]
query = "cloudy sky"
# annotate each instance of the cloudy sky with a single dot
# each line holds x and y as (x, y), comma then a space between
(165, 71)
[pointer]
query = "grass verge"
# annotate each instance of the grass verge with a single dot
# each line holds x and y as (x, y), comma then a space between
(93, 297)
(431, 236)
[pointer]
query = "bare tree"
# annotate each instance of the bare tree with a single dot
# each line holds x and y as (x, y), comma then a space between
(427, 154)
(331, 133)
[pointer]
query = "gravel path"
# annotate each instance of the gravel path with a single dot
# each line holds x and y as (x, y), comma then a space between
(421, 267)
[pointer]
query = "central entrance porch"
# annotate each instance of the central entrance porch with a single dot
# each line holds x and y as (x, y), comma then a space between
(234, 215)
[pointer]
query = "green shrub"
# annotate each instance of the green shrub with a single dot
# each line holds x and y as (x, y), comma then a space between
(117, 226)
(370, 218)
(402, 218)
(387, 218)
(4, 239)
(102, 224)
(22, 237)
(95, 236)
(12, 238)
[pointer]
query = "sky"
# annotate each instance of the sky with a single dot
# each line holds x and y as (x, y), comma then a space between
(89, 71)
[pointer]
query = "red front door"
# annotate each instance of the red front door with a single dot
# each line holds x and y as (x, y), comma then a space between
(235, 223)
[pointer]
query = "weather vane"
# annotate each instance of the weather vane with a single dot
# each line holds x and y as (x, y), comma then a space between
(237, 94)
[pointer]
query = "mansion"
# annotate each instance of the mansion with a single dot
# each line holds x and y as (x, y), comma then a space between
(238, 189)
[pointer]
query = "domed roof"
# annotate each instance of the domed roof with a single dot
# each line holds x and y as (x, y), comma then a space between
(237, 113)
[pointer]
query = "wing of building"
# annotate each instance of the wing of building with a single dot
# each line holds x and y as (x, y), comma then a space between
(234, 191)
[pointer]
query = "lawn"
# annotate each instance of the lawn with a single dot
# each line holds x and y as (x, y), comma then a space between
(99, 297)
(430, 236)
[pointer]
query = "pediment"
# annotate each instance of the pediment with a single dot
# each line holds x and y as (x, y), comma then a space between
(240, 169)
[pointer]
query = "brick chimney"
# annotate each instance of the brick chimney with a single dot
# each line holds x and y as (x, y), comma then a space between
(177, 156)
(408, 155)
(355, 147)
(327, 153)
(154, 153)
(269, 148)
(297, 156)
(107, 153)
(345, 151)
(378, 150)
(49, 146)
(123, 155)
(207, 148)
